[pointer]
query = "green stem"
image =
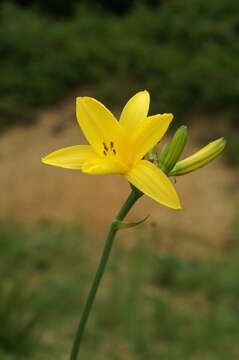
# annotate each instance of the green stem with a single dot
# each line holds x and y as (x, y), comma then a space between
(133, 197)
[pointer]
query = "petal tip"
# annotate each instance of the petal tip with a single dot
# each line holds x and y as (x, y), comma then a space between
(143, 95)
(43, 160)
(146, 94)
(79, 99)
(176, 205)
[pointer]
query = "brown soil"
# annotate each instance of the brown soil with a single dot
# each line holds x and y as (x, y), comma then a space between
(31, 191)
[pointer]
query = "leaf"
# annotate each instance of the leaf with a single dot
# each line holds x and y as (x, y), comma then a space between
(126, 225)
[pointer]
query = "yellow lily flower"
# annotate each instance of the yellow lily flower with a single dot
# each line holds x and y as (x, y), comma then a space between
(118, 147)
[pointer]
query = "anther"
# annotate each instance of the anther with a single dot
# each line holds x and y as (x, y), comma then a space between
(105, 153)
(111, 144)
(105, 147)
(114, 151)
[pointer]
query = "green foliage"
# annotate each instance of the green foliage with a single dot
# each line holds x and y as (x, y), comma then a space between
(18, 306)
(148, 306)
(232, 150)
(27, 296)
(185, 53)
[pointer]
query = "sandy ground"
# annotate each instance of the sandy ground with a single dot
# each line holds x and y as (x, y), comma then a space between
(31, 191)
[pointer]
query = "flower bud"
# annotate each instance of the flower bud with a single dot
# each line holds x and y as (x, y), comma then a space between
(162, 157)
(175, 149)
(199, 159)
(152, 156)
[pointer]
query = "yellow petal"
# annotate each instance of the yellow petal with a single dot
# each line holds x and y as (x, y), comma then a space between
(98, 124)
(149, 133)
(99, 166)
(71, 157)
(135, 111)
(154, 183)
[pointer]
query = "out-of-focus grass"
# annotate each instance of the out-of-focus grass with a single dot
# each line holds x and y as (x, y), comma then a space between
(36, 283)
(149, 306)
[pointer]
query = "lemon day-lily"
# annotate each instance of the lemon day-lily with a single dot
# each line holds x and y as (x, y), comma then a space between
(119, 147)
(128, 146)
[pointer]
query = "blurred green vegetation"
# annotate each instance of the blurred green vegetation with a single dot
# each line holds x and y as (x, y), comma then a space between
(185, 53)
(232, 150)
(149, 306)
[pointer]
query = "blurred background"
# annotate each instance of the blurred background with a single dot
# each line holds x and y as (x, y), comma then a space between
(171, 290)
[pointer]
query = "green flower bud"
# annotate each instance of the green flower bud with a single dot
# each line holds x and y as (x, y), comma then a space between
(152, 156)
(175, 149)
(162, 157)
(199, 159)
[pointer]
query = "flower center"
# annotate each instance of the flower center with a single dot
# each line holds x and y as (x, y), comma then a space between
(109, 149)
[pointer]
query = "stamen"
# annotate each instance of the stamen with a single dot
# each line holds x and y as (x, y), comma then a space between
(105, 153)
(105, 147)
(111, 144)
(114, 151)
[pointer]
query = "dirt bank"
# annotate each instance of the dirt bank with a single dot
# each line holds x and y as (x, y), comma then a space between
(31, 191)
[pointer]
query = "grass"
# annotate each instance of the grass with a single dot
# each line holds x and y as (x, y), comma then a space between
(149, 306)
